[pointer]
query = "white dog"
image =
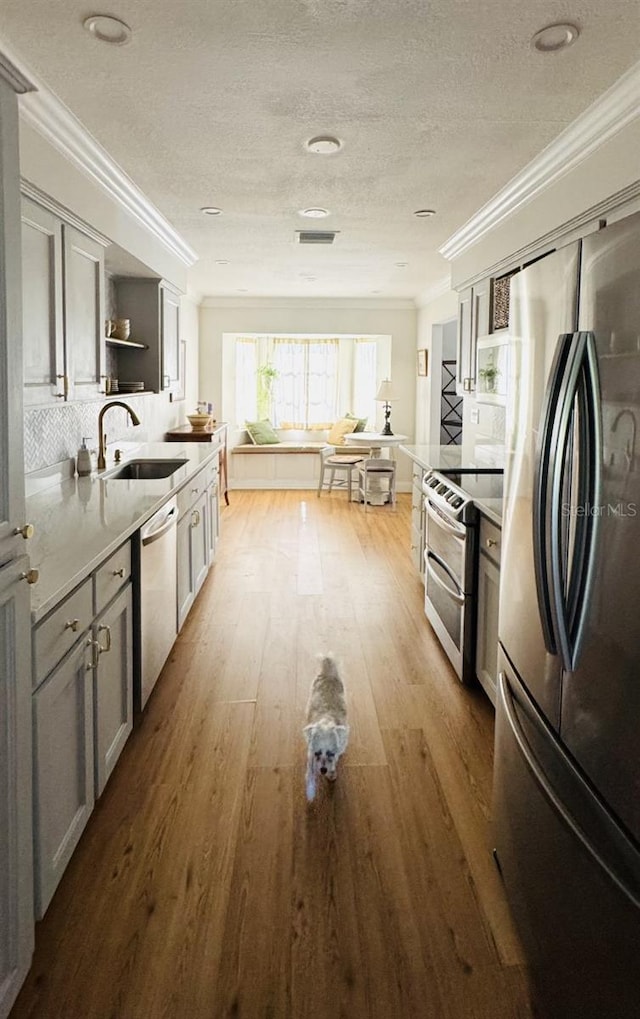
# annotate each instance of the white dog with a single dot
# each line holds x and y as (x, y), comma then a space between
(326, 732)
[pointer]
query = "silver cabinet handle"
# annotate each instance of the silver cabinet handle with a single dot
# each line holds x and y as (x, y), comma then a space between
(31, 576)
(119, 573)
(491, 543)
(195, 518)
(27, 531)
(107, 643)
(93, 664)
(72, 624)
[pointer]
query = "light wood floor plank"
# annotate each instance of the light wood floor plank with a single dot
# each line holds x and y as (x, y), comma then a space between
(205, 886)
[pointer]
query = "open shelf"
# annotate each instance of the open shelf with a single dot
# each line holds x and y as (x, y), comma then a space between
(111, 341)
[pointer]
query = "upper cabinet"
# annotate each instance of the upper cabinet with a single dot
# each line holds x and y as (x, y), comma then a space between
(474, 320)
(153, 308)
(63, 308)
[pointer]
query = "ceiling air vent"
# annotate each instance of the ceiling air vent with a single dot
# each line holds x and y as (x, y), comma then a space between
(315, 236)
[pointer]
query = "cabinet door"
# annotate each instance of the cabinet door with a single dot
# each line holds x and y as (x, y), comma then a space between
(213, 519)
(474, 318)
(200, 541)
(487, 632)
(112, 685)
(186, 589)
(63, 767)
(42, 327)
(170, 341)
(16, 876)
(83, 313)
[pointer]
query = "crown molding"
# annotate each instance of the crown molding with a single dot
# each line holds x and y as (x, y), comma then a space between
(315, 303)
(10, 73)
(37, 195)
(609, 114)
(46, 114)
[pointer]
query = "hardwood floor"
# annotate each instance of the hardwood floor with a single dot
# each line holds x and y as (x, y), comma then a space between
(206, 887)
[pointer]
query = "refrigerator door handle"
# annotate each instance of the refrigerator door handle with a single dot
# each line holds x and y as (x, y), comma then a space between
(506, 699)
(591, 458)
(581, 388)
(547, 456)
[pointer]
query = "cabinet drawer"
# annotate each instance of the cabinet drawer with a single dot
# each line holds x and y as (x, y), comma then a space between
(191, 492)
(490, 540)
(211, 471)
(110, 577)
(60, 630)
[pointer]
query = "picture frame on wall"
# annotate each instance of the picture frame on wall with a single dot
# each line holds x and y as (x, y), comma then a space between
(423, 362)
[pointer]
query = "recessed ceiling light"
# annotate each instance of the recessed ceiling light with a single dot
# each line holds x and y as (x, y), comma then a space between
(402, 265)
(242, 290)
(555, 37)
(107, 29)
(210, 210)
(222, 261)
(375, 291)
(423, 213)
(314, 213)
(323, 144)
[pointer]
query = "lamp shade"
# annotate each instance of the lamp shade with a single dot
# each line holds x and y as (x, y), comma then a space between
(385, 392)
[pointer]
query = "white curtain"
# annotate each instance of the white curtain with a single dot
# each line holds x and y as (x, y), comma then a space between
(246, 380)
(364, 380)
(305, 392)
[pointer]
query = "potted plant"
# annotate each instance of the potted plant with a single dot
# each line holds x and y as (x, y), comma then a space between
(267, 375)
(489, 373)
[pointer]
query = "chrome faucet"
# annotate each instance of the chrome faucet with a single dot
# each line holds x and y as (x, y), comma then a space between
(102, 438)
(630, 450)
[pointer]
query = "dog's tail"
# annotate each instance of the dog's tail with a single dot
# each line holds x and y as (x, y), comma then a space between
(328, 665)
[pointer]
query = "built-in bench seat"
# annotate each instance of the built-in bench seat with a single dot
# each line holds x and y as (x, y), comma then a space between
(294, 462)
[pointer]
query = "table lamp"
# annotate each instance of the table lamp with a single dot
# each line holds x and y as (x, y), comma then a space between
(385, 395)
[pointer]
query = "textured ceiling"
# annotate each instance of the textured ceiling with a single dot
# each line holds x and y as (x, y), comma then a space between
(438, 105)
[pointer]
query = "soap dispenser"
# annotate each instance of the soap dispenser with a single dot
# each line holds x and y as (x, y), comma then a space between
(83, 461)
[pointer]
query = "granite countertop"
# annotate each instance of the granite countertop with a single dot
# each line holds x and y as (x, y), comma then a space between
(79, 522)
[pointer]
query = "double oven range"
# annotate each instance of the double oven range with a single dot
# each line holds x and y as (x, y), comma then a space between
(450, 578)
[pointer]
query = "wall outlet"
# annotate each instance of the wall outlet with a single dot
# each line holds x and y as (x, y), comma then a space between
(474, 416)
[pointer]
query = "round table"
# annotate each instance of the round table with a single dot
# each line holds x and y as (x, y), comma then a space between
(376, 442)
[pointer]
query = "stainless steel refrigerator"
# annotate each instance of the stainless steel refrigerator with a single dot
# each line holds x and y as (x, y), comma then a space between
(567, 757)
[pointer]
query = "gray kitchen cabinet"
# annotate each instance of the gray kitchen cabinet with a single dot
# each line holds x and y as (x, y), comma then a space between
(82, 711)
(170, 330)
(488, 607)
(153, 308)
(63, 767)
(417, 519)
(112, 685)
(42, 324)
(16, 860)
(474, 320)
(213, 517)
(194, 537)
(63, 308)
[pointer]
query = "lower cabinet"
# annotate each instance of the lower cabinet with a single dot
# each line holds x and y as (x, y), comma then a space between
(488, 607)
(198, 532)
(82, 717)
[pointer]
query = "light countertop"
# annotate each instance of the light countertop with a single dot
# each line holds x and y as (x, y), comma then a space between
(79, 522)
(457, 459)
(480, 473)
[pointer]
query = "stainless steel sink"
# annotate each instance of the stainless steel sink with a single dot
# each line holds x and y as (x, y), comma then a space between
(144, 470)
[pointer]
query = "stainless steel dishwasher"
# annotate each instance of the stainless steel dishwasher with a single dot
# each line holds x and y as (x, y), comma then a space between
(158, 625)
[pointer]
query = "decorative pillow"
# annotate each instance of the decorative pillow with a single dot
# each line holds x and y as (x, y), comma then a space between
(345, 426)
(361, 425)
(261, 433)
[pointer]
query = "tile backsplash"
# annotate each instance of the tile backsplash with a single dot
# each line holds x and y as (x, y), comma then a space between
(53, 434)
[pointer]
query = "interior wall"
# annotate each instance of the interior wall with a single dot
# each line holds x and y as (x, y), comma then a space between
(395, 318)
(435, 313)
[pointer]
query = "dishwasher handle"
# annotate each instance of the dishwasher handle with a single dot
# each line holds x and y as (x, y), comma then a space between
(151, 533)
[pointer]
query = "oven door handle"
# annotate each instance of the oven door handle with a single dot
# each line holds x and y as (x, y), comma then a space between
(458, 532)
(458, 598)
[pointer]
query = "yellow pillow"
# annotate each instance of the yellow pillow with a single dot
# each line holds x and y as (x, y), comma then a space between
(341, 428)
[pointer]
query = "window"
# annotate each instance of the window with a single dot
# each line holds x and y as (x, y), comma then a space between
(304, 382)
